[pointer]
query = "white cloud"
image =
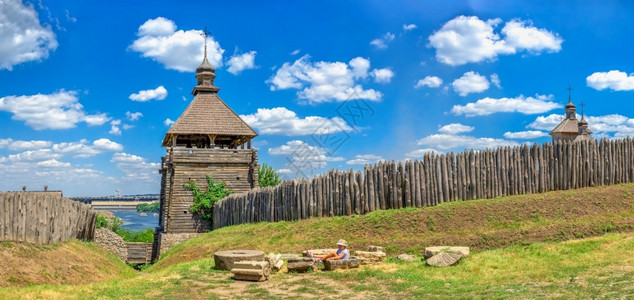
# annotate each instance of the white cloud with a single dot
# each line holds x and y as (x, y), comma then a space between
(282, 121)
(522, 35)
(520, 104)
(84, 149)
(22, 37)
(60, 110)
(168, 122)
(114, 127)
(126, 158)
(614, 80)
(324, 81)
(178, 50)
(133, 116)
(295, 52)
(420, 152)
(97, 120)
(34, 155)
(470, 82)
(107, 145)
(304, 157)
(495, 80)
(364, 159)
(381, 43)
(28, 145)
(455, 128)
(429, 81)
(449, 141)
(127, 126)
(408, 27)
(239, 63)
(158, 93)
(53, 163)
(546, 122)
(135, 168)
(5, 142)
(467, 39)
(382, 75)
(525, 135)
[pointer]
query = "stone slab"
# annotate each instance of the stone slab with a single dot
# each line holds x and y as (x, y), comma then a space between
(344, 264)
(444, 259)
(431, 251)
(225, 260)
(369, 257)
(319, 251)
(301, 265)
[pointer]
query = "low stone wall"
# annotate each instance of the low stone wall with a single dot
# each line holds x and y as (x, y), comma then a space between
(112, 242)
(168, 240)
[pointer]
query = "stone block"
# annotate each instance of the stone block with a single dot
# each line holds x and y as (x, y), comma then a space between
(251, 270)
(375, 249)
(370, 258)
(319, 251)
(406, 257)
(444, 259)
(301, 265)
(225, 260)
(345, 264)
(431, 251)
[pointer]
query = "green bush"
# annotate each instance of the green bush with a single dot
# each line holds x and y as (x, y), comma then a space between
(204, 201)
(267, 176)
(149, 207)
(101, 222)
(129, 235)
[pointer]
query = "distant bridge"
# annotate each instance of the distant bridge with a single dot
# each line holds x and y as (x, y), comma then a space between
(114, 202)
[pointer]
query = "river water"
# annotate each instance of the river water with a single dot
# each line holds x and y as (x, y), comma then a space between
(133, 220)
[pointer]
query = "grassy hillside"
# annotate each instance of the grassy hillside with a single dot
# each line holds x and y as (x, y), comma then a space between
(480, 224)
(586, 268)
(531, 246)
(72, 262)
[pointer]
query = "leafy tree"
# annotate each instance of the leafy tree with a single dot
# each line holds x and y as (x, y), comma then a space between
(204, 201)
(267, 176)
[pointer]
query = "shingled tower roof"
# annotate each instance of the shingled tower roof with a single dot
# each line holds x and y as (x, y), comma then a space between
(208, 121)
(570, 125)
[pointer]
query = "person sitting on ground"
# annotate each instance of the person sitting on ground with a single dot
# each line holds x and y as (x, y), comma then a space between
(341, 253)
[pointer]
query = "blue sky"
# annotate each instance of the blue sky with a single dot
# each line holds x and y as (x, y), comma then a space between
(88, 89)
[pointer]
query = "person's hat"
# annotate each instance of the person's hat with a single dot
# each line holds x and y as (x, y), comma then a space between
(342, 242)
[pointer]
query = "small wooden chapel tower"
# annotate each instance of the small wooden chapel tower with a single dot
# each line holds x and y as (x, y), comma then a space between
(209, 138)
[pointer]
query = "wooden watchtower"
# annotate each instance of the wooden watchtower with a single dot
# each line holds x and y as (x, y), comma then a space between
(209, 138)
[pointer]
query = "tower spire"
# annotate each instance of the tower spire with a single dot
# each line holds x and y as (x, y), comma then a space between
(570, 107)
(205, 34)
(205, 73)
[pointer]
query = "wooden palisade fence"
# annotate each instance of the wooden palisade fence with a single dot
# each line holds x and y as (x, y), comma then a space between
(43, 218)
(437, 178)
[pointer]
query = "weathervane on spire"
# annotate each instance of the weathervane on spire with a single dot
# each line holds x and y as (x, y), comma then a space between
(569, 93)
(205, 34)
(582, 107)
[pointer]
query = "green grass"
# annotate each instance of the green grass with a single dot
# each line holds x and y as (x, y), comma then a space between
(589, 268)
(567, 244)
(480, 224)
